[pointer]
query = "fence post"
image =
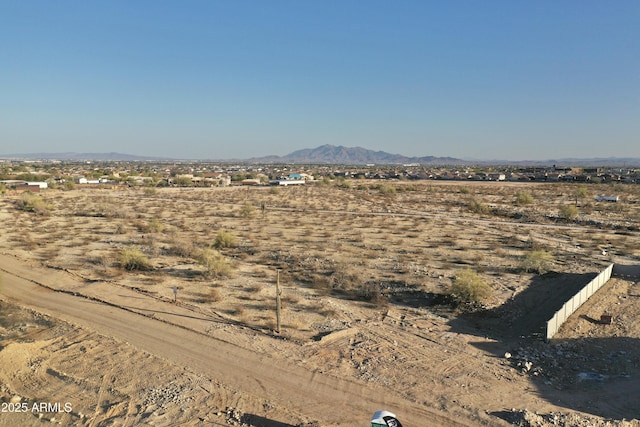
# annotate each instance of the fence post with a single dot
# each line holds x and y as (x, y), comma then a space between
(278, 302)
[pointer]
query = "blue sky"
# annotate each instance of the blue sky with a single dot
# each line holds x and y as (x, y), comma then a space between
(512, 79)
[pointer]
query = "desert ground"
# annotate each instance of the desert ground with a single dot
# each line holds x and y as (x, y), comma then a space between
(157, 306)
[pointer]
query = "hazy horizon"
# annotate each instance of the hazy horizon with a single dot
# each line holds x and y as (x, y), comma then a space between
(117, 155)
(496, 80)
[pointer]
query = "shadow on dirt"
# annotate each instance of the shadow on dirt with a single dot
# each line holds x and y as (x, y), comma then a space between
(629, 272)
(258, 421)
(525, 315)
(567, 372)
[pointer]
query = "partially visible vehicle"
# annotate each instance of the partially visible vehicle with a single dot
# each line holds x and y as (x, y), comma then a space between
(384, 419)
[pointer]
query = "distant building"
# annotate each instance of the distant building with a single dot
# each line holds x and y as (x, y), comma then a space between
(250, 181)
(286, 182)
(40, 184)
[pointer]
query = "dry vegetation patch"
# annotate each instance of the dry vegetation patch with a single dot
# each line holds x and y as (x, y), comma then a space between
(370, 242)
(348, 255)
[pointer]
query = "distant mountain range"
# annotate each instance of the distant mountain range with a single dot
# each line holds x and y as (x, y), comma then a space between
(80, 157)
(339, 155)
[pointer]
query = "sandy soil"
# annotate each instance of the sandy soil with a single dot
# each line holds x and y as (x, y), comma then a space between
(115, 346)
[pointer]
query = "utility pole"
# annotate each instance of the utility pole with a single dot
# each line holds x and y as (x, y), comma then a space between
(278, 302)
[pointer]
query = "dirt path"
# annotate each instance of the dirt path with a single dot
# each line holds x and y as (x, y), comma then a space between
(319, 396)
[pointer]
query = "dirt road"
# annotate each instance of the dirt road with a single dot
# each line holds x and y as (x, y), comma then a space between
(326, 398)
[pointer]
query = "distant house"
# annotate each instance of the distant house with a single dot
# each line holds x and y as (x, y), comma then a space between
(20, 188)
(41, 184)
(250, 181)
(217, 179)
(84, 181)
(286, 182)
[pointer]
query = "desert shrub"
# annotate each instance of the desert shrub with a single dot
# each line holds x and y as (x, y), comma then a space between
(580, 193)
(133, 259)
(182, 247)
(247, 211)
(373, 293)
(345, 278)
(254, 288)
(568, 212)
(321, 283)
(464, 190)
(537, 261)
(214, 263)
(343, 183)
(225, 239)
(524, 198)
(30, 202)
(151, 246)
(212, 296)
(387, 189)
(155, 226)
(476, 206)
(323, 182)
(468, 287)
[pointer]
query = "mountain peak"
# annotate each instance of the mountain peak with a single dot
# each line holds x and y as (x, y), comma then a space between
(332, 154)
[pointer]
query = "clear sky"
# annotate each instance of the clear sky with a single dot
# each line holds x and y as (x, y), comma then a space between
(511, 79)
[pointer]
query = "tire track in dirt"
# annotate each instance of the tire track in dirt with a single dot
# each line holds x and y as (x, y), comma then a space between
(383, 352)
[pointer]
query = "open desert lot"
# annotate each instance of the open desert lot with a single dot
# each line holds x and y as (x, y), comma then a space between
(157, 306)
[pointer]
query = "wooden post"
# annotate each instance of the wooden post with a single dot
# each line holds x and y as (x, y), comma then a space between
(278, 304)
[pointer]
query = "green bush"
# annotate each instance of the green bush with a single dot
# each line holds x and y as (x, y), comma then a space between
(215, 264)
(343, 183)
(133, 259)
(537, 261)
(523, 198)
(225, 239)
(468, 287)
(568, 212)
(323, 182)
(30, 202)
(247, 210)
(476, 206)
(387, 190)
